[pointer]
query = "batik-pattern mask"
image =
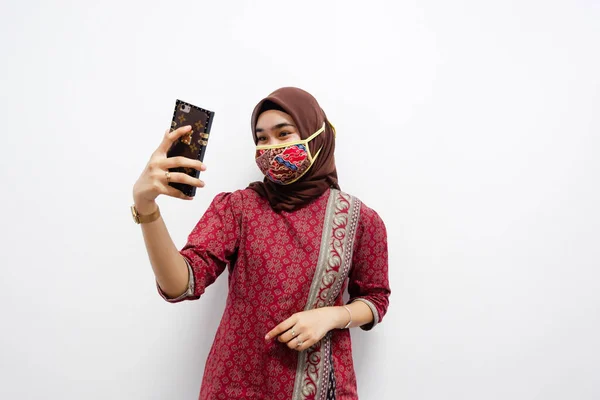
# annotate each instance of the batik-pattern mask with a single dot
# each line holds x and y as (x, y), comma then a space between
(287, 162)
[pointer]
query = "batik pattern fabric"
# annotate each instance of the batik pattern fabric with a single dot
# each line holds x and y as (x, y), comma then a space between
(280, 263)
(285, 164)
(333, 266)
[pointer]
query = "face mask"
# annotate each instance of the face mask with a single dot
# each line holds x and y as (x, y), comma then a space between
(287, 162)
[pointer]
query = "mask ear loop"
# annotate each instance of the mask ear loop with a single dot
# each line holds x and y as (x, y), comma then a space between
(334, 131)
(312, 159)
(314, 135)
(308, 139)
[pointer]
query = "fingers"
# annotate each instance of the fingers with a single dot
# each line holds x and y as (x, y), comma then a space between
(156, 180)
(171, 191)
(289, 334)
(171, 136)
(292, 334)
(161, 184)
(180, 177)
(159, 177)
(298, 343)
(174, 162)
(282, 327)
(296, 340)
(301, 342)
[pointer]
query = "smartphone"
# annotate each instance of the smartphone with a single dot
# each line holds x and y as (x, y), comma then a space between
(193, 144)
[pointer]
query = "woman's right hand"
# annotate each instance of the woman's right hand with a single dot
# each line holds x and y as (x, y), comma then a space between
(153, 180)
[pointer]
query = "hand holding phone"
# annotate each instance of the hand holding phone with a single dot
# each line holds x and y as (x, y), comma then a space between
(174, 168)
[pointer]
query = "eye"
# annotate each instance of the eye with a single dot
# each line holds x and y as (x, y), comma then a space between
(261, 139)
(284, 133)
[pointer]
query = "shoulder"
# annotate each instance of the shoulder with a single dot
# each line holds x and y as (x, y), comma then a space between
(237, 200)
(368, 217)
(236, 195)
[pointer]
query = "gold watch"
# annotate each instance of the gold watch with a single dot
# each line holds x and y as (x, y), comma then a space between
(144, 219)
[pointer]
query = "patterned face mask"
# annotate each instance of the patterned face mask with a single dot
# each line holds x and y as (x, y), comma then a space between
(287, 162)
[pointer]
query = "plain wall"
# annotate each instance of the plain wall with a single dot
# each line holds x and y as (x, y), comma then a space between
(471, 127)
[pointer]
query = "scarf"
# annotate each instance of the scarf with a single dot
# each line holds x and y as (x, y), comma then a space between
(308, 118)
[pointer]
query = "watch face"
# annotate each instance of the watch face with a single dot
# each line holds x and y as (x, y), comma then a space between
(135, 215)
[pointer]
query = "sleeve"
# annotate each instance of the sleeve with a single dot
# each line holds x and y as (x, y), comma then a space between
(211, 246)
(188, 293)
(368, 280)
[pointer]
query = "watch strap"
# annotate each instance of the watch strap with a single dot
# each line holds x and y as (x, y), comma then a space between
(144, 219)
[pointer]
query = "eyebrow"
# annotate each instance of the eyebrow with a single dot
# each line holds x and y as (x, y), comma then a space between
(278, 126)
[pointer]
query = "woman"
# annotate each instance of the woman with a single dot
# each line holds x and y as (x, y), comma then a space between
(292, 244)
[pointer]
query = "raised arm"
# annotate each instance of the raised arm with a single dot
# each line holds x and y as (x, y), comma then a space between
(169, 266)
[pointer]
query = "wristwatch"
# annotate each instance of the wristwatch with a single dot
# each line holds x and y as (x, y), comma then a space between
(144, 219)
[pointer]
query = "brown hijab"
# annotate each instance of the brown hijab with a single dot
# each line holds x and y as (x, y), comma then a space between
(309, 118)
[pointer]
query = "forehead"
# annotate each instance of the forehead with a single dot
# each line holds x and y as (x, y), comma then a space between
(270, 118)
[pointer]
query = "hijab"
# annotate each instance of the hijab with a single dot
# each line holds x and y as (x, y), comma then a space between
(309, 118)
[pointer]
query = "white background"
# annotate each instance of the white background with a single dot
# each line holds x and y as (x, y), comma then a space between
(472, 127)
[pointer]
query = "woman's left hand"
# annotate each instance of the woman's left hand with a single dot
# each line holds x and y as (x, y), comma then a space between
(303, 329)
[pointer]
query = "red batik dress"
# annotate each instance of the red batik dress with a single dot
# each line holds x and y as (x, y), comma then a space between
(280, 263)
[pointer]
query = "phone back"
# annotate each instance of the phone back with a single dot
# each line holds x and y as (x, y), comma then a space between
(193, 144)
